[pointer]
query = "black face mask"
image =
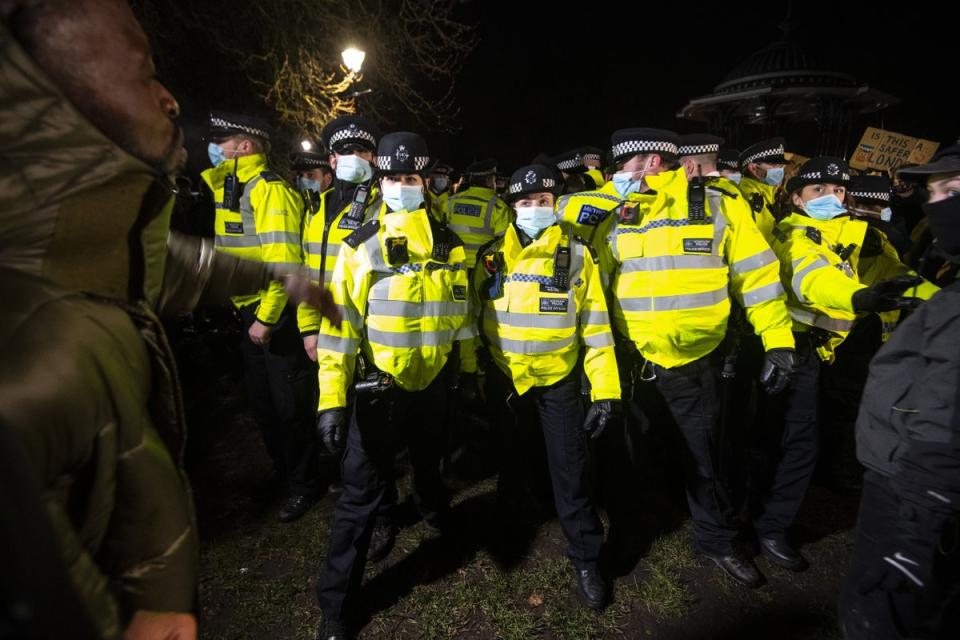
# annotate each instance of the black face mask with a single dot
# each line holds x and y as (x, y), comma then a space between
(944, 220)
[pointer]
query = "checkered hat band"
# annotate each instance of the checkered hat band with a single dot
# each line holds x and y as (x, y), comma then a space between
(312, 162)
(730, 164)
(385, 163)
(633, 147)
(873, 195)
(769, 153)
(592, 157)
(220, 123)
(352, 134)
(818, 175)
(545, 183)
(699, 149)
(570, 164)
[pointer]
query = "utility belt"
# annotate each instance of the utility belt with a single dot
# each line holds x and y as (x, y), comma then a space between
(370, 379)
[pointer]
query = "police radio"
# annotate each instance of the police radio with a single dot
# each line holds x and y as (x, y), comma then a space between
(232, 190)
(561, 268)
(696, 198)
(494, 264)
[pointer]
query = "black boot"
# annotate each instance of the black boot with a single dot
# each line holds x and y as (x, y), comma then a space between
(739, 567)
(295, 507)
(777, 550)
(591, 588)
(382, 539)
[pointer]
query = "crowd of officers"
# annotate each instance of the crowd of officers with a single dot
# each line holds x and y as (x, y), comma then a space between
(573, 293)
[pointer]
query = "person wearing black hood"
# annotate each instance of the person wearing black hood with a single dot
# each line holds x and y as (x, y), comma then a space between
(904, 579)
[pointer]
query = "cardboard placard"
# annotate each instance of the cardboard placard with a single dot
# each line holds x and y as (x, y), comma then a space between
(882, 150)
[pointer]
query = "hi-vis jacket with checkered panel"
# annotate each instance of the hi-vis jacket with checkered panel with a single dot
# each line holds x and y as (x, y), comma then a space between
(761, 198)
(824, 262)
(404, 315)
(322, 239)
(266, 226)
(674, 276)
(535, 329)
(477, 215)
(589, 214)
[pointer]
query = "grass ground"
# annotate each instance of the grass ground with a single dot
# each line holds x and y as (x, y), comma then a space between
(489, 578)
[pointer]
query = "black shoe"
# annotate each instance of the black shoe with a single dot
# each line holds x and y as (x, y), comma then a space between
(295, 507)
(739, 567)
(591, 589)
(332, 630)
(382, 539)
(779, 552)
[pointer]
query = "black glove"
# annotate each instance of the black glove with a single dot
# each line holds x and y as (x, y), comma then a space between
(602, 413)
(887, 295)
(776, 374)
(332, 429)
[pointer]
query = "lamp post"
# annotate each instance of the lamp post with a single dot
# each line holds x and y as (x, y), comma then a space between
(353, 62)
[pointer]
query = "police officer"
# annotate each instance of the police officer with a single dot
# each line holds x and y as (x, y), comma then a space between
(351, 199)
(905, 573)
(822, 252)
(728, 163)
(402, 284)
(440, 186)
(313, 177)
(580, 169)
(541, 299)
(259, 217)
(477, 215)
(680, 251)
(763, 165)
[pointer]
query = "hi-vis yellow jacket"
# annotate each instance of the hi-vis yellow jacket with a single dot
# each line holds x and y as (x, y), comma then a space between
(761, 198)
(405, 315)
(822, 264)
(322, 241)
(477, 215)
(590, 214)
(264, 227)
(534, 330)
(596, 176)
(674, 275)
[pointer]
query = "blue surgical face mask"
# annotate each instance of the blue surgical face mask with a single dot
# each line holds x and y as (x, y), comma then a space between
(440, 184)
(401, 197)
(774, 176)
(624, 183)
(533, 220)
(216, 154)
(353, 169)
(886, 214)
(735, 178)
(309, 183)
(825, 207)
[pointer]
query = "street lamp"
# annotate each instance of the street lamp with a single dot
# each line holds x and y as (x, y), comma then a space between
(353, 59)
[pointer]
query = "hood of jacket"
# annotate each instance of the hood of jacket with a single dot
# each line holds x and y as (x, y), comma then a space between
(75, 208)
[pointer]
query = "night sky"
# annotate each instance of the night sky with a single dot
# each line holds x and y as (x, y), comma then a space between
(543, 79)
(554, 80)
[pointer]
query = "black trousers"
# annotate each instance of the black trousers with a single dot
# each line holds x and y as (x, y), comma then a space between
(282, 391)
(559, 410)
(789, 439)
(879, 614)
(380, 424)
(692, 393)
